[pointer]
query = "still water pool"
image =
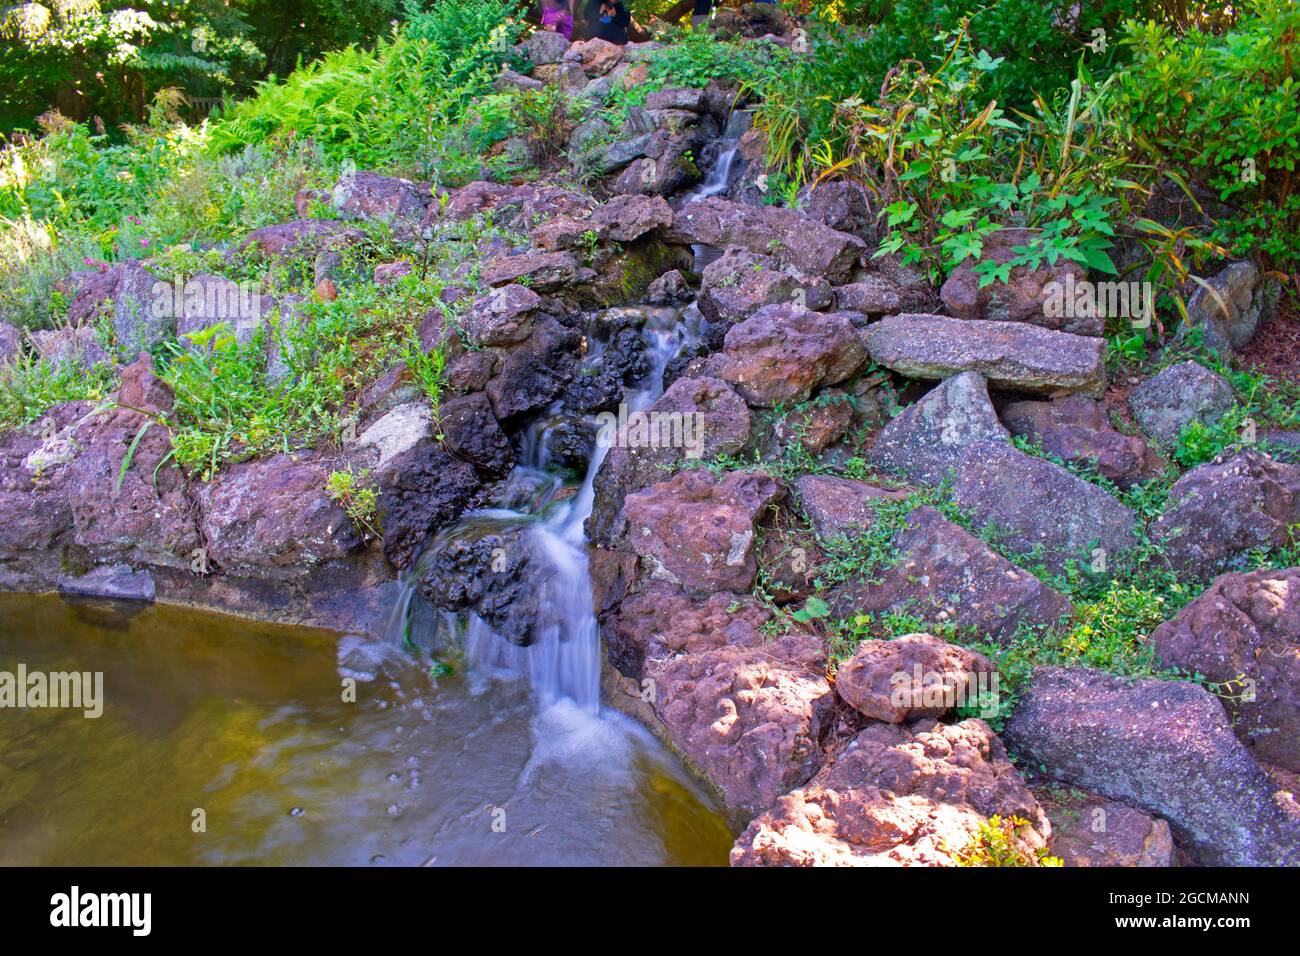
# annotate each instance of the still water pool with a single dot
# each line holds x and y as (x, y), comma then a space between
(247, 723)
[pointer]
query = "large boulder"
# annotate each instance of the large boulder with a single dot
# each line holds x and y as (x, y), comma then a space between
(504, 316)
(1243, 635)
(542, 271)
(1184, 393)
(132, 299)
(898, 796)
(699, 531)
(925, 441)
(625, 218)
(1164, 746)
(545, 46)
(944, 575)
(366, 195)
(1078, 431)
(782, 353)
(793, 239)
(535, 372)
(422, 491)
(1010, 355)
(747, 710)
(471, 433)
(1028, 295)
(738, 283)
(300, 237)
(1221, 511)
(1038, 508)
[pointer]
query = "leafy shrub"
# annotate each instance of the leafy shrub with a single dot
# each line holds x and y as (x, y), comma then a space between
(29, 386)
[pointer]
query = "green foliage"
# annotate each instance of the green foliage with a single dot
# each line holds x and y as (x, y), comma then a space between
(30, 386)
(1225, 107)
(356, 493)
(998, 843)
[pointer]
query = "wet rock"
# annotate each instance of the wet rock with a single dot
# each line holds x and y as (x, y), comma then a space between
(1164, 746)
(118, 582)
(669, 289)
(1089, 830)
(840, 505)
(909, 796)
(424, 490)
(535, 372)
(945, 575)
(1219, 512)
(493, 577)
(782, 353)
(301, 237)
(1009, 355)
(721, 419)
(569, 442)
(793, 239)
(747, 710)
(1039, 508)
(470, 432)
(926, 440)
(1229, 312)
(1028, 295)
(911, 676)
(625, 218)
(1077, 430)
(1184, 393)
(1243, 634)
(667, 165)
(698, 530)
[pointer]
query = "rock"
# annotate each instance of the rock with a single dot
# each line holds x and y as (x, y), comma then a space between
(1077, 430)
(1243, 634)
(845, 207)
(738, 283)
(1166, 403)
(782, 353)
(1028, 294)
(470, 372)
(504, 316)
(747, 710)
(301, 237)
(1163, 746)
(11, 344)
(545, 46)
(148, 517)
(944, 575)
(877, 295)
(424, 490)
(1009, 355)
(510, 80)
(471, 432)
(667, 166)
(389, 273)
(669, 289)
(700, 530)
(210, 300)
(535, 372)
(586, 145)
(818, 425)
(597, 56)
(840, 505)
(129, 296)
(793, 239)
(897, 796)
(721, 419)
(1039, 508)
(118, 582)
(914, 675)
(626, 218)
(1219, 512)
(76, 345)
(1088, 830)
(495, 577)
(543, 271)
(1231, 309)
(925, 441)
(366, 195)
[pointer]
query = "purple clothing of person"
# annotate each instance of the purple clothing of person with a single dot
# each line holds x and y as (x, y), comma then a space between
(561, 21)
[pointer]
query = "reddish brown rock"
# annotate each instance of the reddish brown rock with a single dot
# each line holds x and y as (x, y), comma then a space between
(701, 530)
(897, 796)
(1243, 634)
(1088, 830)
(915, 675)
(782, 353)
(838, 505)
(1077, 430)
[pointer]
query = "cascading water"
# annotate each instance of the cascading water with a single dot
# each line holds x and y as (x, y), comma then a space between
(720, 177)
